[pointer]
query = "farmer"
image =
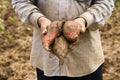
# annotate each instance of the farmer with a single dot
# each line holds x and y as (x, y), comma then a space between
(84, 61)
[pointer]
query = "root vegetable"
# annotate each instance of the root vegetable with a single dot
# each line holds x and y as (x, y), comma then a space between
(60, 48)
(71, 31)
(59, 45)
(49, 37)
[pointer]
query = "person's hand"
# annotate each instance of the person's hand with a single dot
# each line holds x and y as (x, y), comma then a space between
(72, 29)
(49, 32)
(47, 39)
(43, 23)
(82, 22)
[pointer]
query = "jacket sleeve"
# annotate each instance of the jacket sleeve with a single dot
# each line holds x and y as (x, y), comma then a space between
(27, 11)
(98, 13)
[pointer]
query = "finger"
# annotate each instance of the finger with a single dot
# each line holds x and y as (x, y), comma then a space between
(83, 29)
(47, 48)
(44, 32)
(82, 26)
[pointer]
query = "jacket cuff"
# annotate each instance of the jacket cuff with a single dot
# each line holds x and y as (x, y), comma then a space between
(34, 18)
(88, 17)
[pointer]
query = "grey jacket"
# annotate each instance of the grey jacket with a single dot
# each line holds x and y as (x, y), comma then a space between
(85, 55)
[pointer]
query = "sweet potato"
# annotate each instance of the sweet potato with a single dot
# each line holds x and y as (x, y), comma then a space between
(60, 48)
(49, 37)
(71, 31)
(59, 45)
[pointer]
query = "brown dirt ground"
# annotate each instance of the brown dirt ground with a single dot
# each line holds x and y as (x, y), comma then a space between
(15, 52)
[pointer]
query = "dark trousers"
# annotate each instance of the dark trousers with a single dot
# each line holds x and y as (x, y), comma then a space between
(97, 75)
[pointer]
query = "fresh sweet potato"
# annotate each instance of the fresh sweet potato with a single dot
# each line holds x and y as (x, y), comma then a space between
(49, 37)
(60, 48)
(58, 45)
(71, 31)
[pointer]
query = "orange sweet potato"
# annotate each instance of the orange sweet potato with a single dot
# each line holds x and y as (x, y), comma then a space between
(55, 41)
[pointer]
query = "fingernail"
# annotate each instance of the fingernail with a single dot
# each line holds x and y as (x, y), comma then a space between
(83, 29)
(47, 48)
(44, 32)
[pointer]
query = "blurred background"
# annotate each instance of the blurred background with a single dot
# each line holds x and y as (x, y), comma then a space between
(16, 38)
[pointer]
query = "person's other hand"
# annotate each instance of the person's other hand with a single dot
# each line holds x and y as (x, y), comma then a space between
(49, 32)
(43, 23)
(82, 22)
(72, 29)
(49, 37)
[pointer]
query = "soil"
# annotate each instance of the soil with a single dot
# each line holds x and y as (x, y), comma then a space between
(15, 46)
